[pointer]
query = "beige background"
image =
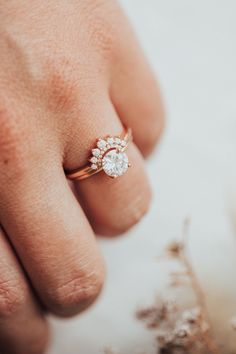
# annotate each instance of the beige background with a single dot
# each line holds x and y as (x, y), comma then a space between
(192, 47)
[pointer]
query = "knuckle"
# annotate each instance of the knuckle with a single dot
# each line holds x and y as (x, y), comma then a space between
(60, 85)
(8, 132)
(20, 147)
(13, 139)
(11, 299)
(77, 294)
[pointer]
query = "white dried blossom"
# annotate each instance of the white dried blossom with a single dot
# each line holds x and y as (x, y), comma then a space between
(191, 315)
(183, 330)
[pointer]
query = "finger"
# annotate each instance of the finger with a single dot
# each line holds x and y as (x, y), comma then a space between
(23, 328)
(51, 235)
(111, 205)
(134, 91)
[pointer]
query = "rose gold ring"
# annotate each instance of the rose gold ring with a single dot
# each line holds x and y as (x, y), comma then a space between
(109, 156)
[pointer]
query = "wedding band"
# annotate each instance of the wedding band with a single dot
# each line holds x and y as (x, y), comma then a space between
(109, 156)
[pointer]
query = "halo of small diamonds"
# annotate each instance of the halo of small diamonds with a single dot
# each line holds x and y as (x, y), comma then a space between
(109, 155)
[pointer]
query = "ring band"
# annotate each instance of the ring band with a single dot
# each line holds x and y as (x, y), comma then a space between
(109, 156)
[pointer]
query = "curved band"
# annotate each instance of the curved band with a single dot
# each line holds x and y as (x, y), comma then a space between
(104, 146)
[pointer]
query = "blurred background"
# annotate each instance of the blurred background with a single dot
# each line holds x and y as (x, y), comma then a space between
(191, 46)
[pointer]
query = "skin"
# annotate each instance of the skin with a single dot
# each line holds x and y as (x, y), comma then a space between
(70, 72)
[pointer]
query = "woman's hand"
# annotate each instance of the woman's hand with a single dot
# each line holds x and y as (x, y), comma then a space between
(70, 72)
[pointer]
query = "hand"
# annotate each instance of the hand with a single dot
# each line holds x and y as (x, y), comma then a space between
(70, 72)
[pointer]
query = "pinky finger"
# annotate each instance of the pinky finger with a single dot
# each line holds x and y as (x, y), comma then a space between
(23, 328)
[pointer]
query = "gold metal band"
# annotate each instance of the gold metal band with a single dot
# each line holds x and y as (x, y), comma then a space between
(87, 171)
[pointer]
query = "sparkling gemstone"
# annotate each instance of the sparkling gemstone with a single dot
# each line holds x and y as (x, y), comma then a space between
(94, 159)
(94, 167)
(96, 152)
(123, 143)
(117, 140)
(110, 141)
(101, 144)
(115, 163)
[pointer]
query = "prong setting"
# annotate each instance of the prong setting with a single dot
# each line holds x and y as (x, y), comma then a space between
(110, 156)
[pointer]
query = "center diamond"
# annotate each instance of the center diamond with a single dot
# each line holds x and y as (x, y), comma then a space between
(115, 163)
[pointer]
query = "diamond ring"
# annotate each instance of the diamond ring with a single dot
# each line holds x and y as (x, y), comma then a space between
(109, 156)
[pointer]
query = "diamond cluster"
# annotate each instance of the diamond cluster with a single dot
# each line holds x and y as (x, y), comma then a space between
(109, 155)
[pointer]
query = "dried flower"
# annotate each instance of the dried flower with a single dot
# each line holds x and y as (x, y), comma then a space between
(192, 316)
(154, 315)
(180, 331)
(175, 248)
(187, 331)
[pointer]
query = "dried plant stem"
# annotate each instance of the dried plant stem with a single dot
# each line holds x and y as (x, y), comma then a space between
(207, 337)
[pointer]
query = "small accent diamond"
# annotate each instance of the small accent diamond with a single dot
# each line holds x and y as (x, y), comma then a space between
(96, 152)
(101, 144)
(110, 141)
(123, 143)
(94, 167)
(94, 159)
(117, 140)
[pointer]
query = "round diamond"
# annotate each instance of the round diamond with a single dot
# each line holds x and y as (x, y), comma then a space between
(101, 144)
(110, 141)
(115, 163)
(117, 140)
(94, 166)
(96, 152)
(94, 159)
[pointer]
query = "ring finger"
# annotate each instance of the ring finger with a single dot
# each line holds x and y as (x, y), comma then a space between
(112, 205)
